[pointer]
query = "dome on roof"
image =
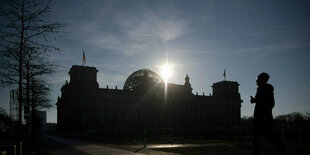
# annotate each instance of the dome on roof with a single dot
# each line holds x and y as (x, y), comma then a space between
(138, 77)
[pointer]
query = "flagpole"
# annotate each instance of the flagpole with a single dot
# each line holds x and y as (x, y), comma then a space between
(84, 58)
(224, 74)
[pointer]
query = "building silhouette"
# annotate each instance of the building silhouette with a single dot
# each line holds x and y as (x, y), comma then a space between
(142, 105)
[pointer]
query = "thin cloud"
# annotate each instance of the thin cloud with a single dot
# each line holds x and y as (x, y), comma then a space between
(58, 79)
(191, 51)
(133, 32)
(111, 79)
(118, 67)
(274, 48)
(158, 28)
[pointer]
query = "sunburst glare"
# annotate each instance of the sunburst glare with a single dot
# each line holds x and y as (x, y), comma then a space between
(166, 72)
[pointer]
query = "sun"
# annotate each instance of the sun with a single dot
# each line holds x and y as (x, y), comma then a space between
(166, 72)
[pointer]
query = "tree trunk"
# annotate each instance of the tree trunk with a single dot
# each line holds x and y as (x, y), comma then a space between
(20, 84)
(33, 109)
(27, 108)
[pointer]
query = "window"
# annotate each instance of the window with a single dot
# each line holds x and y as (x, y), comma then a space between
(136, 117)
(101, 117)
(84, 117)
(83, 102)
(110, 116)
(126, 116)
(119, 116)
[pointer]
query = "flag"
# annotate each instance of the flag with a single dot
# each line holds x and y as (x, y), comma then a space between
(224, 74)
(84, 58)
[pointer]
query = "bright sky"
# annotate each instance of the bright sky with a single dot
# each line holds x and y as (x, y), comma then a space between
(200, 38)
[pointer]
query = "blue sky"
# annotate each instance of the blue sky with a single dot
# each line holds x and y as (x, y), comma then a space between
(200, 38)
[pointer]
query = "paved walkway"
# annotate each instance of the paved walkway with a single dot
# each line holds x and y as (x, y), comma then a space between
(154, 146)
(93, 149)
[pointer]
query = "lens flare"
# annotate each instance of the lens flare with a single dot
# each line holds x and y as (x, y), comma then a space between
(166, 72)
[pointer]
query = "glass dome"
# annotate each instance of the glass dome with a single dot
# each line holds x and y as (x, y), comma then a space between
(138, 77)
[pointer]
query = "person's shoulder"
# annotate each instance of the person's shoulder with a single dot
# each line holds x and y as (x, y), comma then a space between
(269, 87)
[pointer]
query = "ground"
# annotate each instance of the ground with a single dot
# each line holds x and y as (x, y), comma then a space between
(58, 145)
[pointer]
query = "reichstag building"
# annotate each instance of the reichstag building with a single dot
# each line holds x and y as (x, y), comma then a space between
(142, 106)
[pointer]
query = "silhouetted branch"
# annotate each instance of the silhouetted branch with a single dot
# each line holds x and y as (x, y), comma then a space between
(24, 43)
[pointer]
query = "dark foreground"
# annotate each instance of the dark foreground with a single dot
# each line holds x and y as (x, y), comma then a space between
(45, 145)
(57, 145)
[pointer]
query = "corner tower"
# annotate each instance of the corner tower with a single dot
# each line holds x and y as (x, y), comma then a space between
(225, 88)
(228, 92)
(187, 85)
(83, 76)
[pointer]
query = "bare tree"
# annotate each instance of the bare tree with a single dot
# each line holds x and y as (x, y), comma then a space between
(23, 25)
(36, 90)
(37, 69)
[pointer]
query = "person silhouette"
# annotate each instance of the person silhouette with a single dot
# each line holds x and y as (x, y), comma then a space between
(263, 118)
